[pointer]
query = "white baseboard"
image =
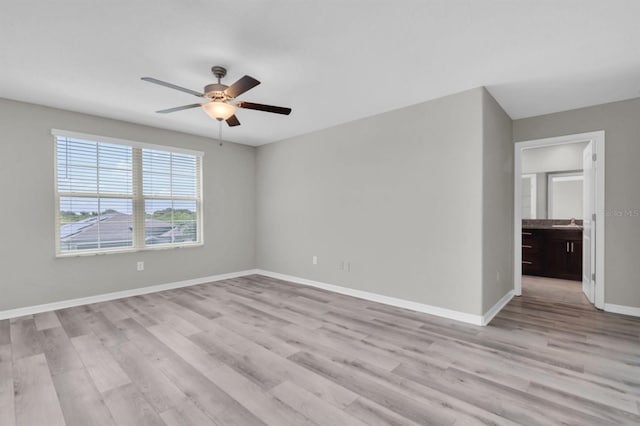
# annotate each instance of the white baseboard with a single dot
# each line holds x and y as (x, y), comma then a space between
(374, 297)
(30, 310)
(622, 309)
(486, 318)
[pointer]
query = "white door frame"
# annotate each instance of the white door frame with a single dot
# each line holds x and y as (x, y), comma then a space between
(598, 148)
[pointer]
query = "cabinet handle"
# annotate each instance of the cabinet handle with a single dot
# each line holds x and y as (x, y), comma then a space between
(567, 246)
(527, 262)
(527, 233)
(526, 246)
(571, 247)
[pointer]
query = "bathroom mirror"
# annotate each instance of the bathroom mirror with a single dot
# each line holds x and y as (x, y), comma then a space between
(529, 196)
(564, 195)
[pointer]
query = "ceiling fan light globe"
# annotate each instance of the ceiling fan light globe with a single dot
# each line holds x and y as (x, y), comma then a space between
(219, 110)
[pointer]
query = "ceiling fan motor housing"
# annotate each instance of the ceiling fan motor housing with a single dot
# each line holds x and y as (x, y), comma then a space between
(215, 92)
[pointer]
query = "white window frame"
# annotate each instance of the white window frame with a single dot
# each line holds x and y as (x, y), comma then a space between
(137, 196)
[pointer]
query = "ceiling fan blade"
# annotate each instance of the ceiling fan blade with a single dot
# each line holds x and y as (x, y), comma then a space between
(171, 86)
(180, 108)
(241, 86)
(267, 108)
(233, 121)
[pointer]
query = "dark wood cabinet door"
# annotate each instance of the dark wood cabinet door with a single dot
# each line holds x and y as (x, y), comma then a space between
(574, 260)
(556, 258)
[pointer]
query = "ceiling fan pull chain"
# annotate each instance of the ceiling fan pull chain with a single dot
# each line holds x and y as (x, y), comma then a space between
(220, 132)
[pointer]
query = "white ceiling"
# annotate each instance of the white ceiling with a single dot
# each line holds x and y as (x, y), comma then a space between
(332, 61)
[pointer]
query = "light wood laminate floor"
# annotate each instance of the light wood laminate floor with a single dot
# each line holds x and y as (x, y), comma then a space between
(554, 290)
(254, 351)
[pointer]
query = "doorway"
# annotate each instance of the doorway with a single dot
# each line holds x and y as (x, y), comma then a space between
(593, 284)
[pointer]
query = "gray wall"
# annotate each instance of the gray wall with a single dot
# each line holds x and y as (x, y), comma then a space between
(556, 158)
(398, 196)
(497, 203)
(30, 272)
(620, 122)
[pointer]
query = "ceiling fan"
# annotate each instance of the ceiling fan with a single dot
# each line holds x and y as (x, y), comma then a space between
(221, 105)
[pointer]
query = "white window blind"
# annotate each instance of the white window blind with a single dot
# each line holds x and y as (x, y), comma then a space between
(170, 190)
(114, 196)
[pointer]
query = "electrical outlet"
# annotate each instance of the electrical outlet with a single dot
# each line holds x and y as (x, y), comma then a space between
(348, 266)
(314, 260)
(140, 266)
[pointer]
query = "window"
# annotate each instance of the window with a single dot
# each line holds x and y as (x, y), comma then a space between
(115, 195)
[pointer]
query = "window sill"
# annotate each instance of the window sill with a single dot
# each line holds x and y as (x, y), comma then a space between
(122, 251)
